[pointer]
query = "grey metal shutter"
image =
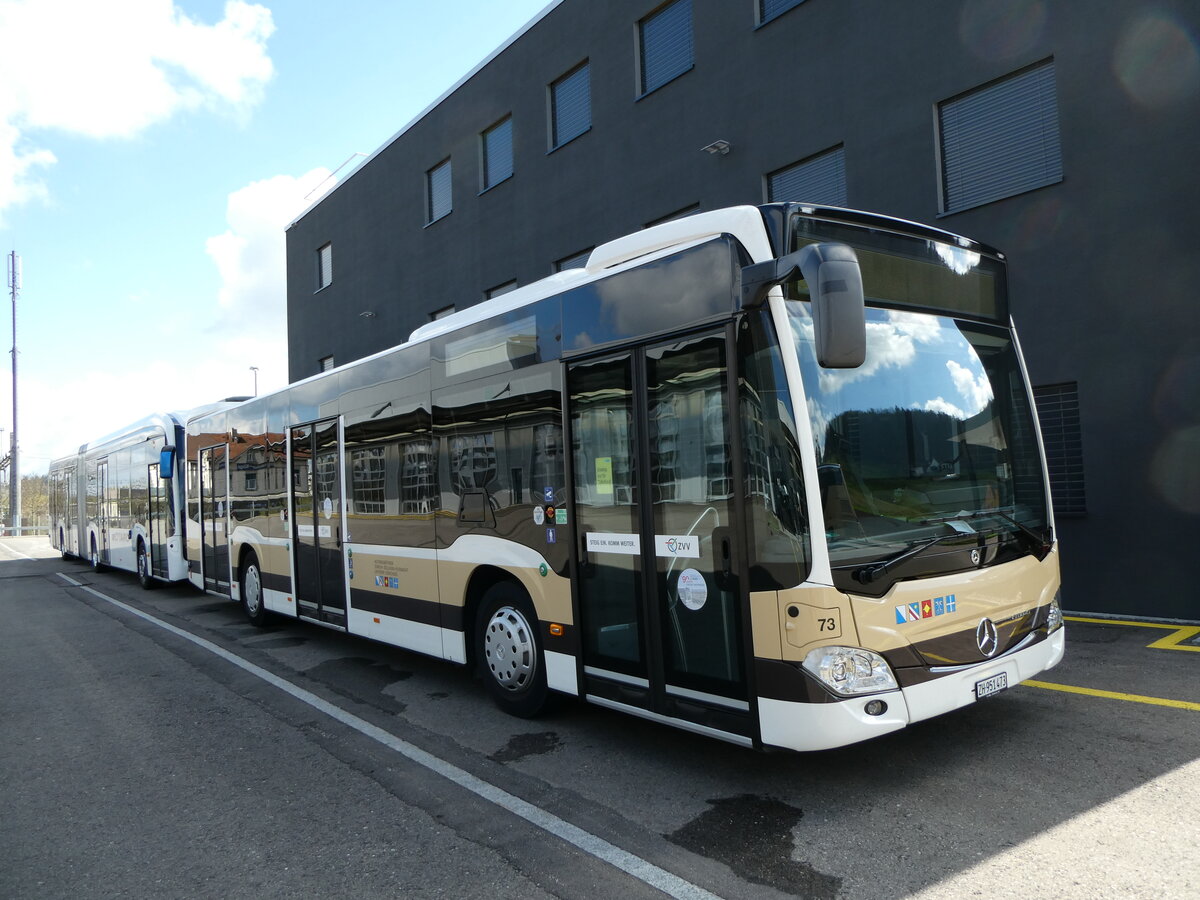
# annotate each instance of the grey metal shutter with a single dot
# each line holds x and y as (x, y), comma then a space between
(1000, 140)
(574, 261)
(440, 200)
(1058, 415)
(666, 39)
(821, 179)
(571, 105)
(769, 9)
(325, 266)
(497, 153)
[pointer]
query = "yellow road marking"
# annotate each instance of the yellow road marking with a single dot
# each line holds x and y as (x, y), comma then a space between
(1114, 695)
(1169, 642)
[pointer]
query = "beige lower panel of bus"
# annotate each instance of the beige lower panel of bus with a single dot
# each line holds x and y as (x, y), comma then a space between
(789, 624)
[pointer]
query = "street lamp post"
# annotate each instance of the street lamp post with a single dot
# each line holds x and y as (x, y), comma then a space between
(254, 369)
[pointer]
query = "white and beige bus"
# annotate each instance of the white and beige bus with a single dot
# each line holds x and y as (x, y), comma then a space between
(769, 474)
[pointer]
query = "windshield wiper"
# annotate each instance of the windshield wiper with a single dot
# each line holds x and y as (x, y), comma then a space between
(1039, 541)
(867, 574)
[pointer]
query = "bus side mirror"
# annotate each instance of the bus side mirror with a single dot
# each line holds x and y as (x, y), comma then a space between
(835, 285)
(166, 462)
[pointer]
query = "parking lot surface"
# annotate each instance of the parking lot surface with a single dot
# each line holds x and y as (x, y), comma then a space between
(138, 759)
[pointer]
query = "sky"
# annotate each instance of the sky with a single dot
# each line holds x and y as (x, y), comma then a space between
(152, 154)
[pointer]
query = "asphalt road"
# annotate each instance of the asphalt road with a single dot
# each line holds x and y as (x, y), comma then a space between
(296, 762)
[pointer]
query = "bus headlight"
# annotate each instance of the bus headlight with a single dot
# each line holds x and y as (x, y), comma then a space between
(1054, 619)
(850, 670)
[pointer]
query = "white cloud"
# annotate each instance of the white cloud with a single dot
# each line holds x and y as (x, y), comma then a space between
(250, 255)
(251, 259)
(942, 405)
(975, 389)
(109, 70)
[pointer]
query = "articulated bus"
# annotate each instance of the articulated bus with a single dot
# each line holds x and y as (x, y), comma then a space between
(768, 474)
(111, 504)
(117, 502)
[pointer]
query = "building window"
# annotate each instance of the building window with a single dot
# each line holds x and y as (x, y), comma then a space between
(441, 313)
(773, 9)
(574, 261)
(496, 145)
(499, 290)
(325, 363)
(665, 45)
(325, 266)
(437, 192)
(818, 179)
(688, 210)
(570, 106)
(1058, 414)
(1000, 140)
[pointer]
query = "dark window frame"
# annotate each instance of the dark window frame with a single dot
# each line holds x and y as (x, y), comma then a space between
(487, 159)
(557, 138)
(431, 189)
(324, 272)
(836, 152)
(1037, 145)
(645, 88)
(763, 17)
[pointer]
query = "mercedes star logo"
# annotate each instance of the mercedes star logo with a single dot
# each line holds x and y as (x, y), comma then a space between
(976, 557)
(986, 637)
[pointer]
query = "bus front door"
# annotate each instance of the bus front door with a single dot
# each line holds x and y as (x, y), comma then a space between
(320, 586)
(159, 521)
(214, 501)
(655, 491)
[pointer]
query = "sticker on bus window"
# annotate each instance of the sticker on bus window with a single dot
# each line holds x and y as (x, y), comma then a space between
(692, 589)
(626, 544)
(539, 516)
(604, 481)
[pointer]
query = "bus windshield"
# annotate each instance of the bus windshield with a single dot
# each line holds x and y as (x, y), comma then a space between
(927, 451)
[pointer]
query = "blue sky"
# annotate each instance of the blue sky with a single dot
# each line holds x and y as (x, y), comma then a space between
(152, 153)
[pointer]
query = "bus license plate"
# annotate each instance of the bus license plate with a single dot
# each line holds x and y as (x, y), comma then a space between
(989, 686)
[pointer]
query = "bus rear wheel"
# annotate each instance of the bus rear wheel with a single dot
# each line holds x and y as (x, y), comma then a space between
(508, 647)
(252, 592)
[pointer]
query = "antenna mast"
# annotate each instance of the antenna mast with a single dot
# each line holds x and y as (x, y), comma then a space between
(14, 471)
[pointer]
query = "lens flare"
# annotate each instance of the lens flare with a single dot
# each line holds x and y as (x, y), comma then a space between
(1001, 29)
(1175, 469)
(1156, 61)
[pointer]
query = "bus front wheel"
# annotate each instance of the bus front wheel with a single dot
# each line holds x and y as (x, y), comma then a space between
(145, 579)
(252, 593)
(508, 647)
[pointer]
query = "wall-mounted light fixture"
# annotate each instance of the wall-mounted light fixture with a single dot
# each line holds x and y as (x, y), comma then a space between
(717, 148)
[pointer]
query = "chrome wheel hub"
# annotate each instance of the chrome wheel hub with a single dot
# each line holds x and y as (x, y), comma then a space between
(509, 649)
(252, 588)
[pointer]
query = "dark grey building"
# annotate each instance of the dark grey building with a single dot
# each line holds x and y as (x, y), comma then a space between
(1062, 133)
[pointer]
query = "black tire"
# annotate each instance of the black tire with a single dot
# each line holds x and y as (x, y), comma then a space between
(508, 647)
(145, 579)
(252, 593)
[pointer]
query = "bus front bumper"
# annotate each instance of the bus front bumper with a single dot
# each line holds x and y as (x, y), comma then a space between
(822, 726)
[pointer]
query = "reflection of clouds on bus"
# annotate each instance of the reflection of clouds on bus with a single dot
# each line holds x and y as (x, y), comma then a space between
(666, 295)
(890, 344)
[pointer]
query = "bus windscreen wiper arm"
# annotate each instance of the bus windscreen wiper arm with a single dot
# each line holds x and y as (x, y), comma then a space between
(867, 574)
(1038, 539)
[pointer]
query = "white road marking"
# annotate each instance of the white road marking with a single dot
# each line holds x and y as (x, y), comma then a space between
(17, 553)
(634, 865)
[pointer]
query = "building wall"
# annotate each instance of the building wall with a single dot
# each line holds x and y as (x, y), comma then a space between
(1102, 265)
